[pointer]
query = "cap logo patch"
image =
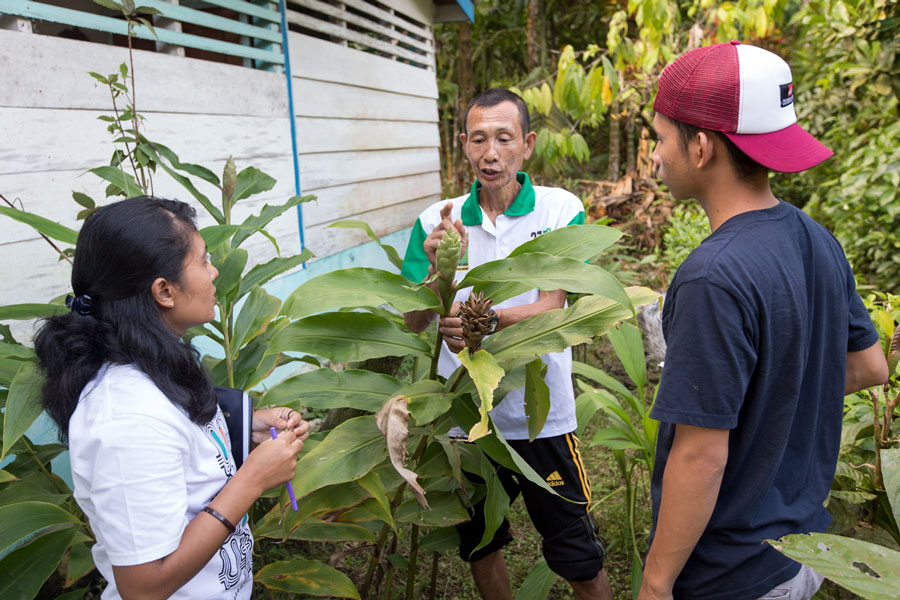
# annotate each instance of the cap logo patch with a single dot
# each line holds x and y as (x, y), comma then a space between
(787, 94)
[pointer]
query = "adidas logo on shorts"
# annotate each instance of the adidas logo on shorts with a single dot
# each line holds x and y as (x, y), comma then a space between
(553, 479)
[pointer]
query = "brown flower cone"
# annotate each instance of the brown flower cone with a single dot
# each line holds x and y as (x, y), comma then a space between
(476, 321)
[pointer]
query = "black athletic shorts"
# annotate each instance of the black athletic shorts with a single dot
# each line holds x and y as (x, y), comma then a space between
(571, 544)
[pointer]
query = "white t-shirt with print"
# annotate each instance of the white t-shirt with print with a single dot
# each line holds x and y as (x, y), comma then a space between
(141, 471)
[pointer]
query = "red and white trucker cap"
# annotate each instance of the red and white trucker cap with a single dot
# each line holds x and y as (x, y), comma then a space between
(745, 92)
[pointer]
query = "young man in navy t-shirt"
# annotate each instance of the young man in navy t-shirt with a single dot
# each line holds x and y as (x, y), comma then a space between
(765, 333)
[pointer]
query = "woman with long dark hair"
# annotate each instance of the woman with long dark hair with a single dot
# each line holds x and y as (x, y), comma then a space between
(150, 453)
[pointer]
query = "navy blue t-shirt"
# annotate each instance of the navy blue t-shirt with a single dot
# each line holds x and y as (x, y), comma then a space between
(758, 322)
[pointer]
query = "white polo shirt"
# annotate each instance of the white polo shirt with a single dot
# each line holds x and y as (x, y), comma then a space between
(536, 210)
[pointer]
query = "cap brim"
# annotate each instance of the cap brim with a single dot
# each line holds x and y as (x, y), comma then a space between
(788, 150)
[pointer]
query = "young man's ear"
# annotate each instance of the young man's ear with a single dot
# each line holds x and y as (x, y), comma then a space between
(703, 150)
(163, 293)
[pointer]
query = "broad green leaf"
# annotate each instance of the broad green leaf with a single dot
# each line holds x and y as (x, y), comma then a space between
(119, 179)
(427, 400)
(486, 374)
(191, 169)
(266, 215)
(604, 379)
(184, 181)
(324, 500)
(80, 563)
(372, 483)
(251, 181)
(637, 574)
(544, 272)
(586, 406)
(443, 539)
(216, 235)
(41, 225)
(495, 446)
(6, 476)
(580, 242)
(308, 577)
(26, 312)
(496, 502)
(539, 582)
(315, 530)
(261, 274)
(256, 313)
(83, 200)
(24, 570)
(866, 569)
(357, 287)
(32, 488)
(615, 439)
(25, 465)
(446, 509)
(390, 251)
(74, 594)
(347, 453)
(853, 497)
(348, 336)
(556, 330)
(325, 388)
(890, 469)
(25, 519)
(16, 351)
(23, 405)
(537, 398)
(230, 268)
(626, 340)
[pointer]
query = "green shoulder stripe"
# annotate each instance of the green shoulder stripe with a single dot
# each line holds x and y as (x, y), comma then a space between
(415, 263)
(577, 219)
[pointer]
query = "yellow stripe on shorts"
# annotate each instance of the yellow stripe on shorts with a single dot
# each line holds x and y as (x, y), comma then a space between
(572, 441)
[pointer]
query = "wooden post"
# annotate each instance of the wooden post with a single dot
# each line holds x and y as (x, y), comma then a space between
(14, 23)
(161, 22)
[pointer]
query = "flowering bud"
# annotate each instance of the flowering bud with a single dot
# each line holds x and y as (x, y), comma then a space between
(448, 254)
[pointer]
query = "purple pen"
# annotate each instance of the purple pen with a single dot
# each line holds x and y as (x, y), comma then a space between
(288, 485)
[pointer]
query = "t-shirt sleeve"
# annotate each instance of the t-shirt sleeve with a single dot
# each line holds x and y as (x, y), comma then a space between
(862, 333)
(710, 356)
(138, 489)
(571, 212)
(415, 263)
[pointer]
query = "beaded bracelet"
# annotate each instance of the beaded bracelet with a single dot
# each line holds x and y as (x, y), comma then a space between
(228, 524)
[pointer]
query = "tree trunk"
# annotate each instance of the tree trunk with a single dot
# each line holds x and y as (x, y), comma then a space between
(614, 141)
(466, 91)
(630, 144)
(531, 33)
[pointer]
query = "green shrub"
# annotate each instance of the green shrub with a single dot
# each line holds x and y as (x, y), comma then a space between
(687, 227)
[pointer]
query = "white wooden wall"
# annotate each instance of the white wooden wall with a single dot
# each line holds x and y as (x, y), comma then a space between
(368, 140)
(49, 136)
(367, 136)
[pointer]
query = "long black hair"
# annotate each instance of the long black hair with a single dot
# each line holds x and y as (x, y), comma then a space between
(122, 248)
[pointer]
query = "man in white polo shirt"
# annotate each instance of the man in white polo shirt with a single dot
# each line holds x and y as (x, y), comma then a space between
(502, 211)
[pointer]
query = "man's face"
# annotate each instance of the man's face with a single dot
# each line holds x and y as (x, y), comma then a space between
(672, 163)
(495, 144)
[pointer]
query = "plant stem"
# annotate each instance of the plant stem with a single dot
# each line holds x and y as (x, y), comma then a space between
(128, 152)
(48, 240)
(379, 543)
(41, 465)
(888, 414)
(435, 558)
(436, 355)
(413, 555)
(226, 342)
(134, 114)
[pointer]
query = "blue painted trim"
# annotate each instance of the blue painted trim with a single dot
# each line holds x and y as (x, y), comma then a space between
(290, 92)
(467, 7)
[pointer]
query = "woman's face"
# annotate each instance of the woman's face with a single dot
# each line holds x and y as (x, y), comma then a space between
(194, 298)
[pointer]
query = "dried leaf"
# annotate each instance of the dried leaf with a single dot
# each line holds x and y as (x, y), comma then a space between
(393, 421)
(894, 350)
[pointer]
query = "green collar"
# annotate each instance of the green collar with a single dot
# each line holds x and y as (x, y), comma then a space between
(522, 205)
